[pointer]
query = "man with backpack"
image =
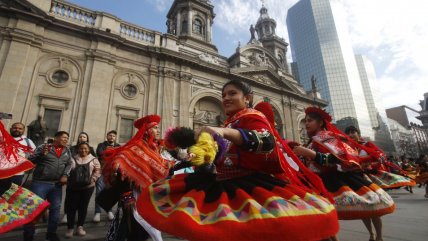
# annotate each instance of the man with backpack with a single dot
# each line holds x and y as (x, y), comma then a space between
(53, 165)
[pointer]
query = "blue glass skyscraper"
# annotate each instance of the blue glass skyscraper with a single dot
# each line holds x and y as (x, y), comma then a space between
(321, 47)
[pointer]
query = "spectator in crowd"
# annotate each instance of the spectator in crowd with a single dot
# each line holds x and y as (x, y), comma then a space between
(53, 165)
(109, 143)
(84, 173)
(17, 132)
(83, 137)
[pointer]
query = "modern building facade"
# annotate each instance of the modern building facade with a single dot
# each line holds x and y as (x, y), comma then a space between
(423, 114)
(404, 140)
(321, 47)
(404, 115)
(372, 94)
(410, 119)
(84, 70)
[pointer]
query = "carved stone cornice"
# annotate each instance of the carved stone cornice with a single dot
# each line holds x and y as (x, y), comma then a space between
(153, 70)
(99, 56)
(210, 84)
(22, 36)
(170, 73)
(185, 76)
(206, 57)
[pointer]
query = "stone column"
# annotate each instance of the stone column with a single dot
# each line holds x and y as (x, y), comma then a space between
(289, 130)
(170, 76)
(185, 93)
(83, 102)
(178, 30)
(208, 29)
(190, 22)
(152, 92)
(100, 96)
(18, 59)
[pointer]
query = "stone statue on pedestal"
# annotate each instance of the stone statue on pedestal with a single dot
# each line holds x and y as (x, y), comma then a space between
(37, 130)
(253, 32)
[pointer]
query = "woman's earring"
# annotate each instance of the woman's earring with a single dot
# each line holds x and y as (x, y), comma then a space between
(247, 104)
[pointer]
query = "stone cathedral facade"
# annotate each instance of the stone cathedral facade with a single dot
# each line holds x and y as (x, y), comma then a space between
(83, 70)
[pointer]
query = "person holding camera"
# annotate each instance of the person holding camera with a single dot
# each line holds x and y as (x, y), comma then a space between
(85, 171)
(53, 164)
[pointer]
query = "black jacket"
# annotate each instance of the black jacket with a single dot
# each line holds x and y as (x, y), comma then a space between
(102, 147)
(50, 167)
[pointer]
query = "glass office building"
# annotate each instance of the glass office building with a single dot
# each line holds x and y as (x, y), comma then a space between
(377, 113)
(321, 47)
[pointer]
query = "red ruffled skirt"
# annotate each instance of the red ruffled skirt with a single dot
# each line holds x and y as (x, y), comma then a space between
(196, 206)
(356, 196)
(422, 178)
(387, 180)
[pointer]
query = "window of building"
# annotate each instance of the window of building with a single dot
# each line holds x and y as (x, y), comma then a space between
(267, 29)
(130, 90)
(52, 118)
(184, 26)
(281, 60)
(126, 129)
(197, 26)
(60, 77)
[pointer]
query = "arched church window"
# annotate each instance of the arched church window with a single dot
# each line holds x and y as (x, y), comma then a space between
(281, 60)
(184, 26)
(197, 26)
(267, 30)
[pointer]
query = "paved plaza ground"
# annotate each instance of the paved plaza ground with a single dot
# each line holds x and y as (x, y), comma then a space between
(408, 223)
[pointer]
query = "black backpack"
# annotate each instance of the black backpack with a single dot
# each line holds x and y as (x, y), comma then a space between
(80, 176)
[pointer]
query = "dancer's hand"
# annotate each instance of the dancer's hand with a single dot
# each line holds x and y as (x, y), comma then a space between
(305, 152)
(211, 130)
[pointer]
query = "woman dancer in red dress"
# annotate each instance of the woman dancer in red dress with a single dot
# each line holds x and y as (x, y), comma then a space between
(335, 157)
(241, 199)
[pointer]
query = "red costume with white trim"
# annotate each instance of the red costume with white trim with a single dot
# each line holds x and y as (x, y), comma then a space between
(242, 200)
(18, 206)
(339, 164)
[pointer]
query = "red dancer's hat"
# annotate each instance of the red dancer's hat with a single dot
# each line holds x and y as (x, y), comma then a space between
(267, 110)
(148, 121)
(324, 115)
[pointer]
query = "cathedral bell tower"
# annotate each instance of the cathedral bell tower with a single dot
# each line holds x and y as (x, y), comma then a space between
(191, 22)
(265, 28)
